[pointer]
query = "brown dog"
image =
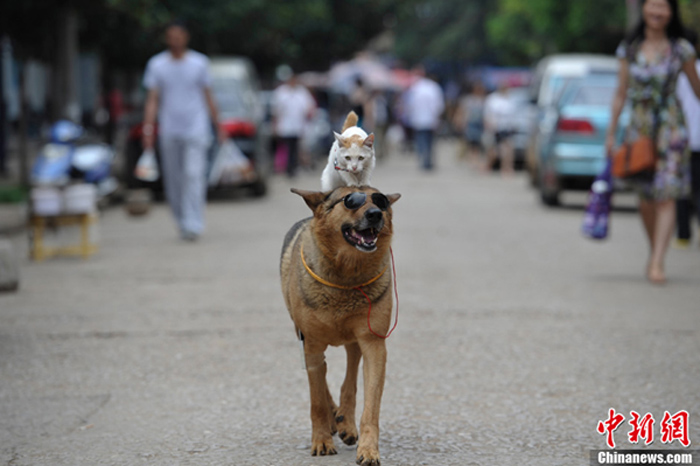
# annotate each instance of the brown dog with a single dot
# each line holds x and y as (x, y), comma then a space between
(326, 260)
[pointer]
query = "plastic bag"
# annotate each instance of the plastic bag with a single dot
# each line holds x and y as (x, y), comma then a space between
(597, 216)
(281, 157)
(147, 167)
(230, 165)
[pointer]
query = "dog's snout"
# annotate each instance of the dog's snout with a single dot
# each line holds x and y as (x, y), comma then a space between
(373, 215)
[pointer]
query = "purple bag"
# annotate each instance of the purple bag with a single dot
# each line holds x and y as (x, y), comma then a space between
(595, 221)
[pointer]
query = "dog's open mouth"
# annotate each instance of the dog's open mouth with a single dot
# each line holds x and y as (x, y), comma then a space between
(364, 240)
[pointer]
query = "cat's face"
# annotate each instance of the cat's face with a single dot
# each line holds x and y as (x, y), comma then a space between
(354, 153)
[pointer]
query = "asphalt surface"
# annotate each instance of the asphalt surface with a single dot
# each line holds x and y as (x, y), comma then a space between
(515, 337)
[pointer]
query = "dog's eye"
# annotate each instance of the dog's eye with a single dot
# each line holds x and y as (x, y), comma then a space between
(347, 157)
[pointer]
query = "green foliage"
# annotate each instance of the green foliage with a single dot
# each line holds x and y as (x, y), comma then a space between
(310, 34)
(506, 32)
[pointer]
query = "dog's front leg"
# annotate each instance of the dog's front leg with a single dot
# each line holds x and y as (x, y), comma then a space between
(346, 412)
(321, 436)
(374, 368)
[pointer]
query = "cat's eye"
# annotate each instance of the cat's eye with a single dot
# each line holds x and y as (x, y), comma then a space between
(362, 158)
(347, 157)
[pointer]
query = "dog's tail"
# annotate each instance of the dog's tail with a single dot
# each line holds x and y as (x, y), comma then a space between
(350, 121)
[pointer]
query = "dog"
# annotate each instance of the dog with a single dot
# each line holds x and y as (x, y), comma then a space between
(332, 264)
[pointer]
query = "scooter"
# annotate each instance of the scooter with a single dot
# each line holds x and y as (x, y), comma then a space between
(62, 160)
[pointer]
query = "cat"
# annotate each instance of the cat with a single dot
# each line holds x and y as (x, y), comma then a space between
(351, 160)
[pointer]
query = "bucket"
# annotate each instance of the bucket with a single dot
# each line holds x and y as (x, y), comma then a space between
(46, 201)
(80, 199)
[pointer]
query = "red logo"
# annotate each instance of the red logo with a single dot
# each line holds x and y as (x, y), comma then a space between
(613, 422)
(641, 428)
(675, 428)
(672, 427)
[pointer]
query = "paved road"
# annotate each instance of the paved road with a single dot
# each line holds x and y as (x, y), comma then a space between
(515, 336)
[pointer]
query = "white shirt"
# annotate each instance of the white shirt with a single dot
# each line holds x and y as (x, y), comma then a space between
(291, 107)
(426, 103)
(499, 111)
(691, 109)
(180, 84)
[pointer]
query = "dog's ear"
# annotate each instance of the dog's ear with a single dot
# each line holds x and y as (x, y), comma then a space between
(312, 198)
(369, 141)
(393, 198)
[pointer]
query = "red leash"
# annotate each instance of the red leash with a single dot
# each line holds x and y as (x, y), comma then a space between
(369, 302)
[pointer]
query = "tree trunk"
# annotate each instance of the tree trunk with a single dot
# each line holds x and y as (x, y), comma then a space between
(65, 82)
(3, 110)
(22, 129)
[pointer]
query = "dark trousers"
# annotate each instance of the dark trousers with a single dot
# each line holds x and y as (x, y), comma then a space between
(684, 207)
(292, 144)
(424, 146)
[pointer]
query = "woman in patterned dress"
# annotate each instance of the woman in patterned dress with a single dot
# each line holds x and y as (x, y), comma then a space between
(651, 59)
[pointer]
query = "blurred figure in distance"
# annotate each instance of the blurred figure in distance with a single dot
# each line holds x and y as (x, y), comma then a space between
(469, 120)
(691, 111)
(425, 103)
(179, 92)
(499, 114)
(292, 107)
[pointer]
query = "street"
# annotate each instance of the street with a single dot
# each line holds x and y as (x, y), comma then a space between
(516, 335)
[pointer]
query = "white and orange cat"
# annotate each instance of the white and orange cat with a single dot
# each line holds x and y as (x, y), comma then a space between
(351, 160)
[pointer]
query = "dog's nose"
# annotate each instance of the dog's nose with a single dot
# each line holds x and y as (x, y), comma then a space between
(373, 215)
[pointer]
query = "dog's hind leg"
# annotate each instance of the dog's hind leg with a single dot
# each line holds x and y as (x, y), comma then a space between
(374, 370)
(345, 417)
(321, 414)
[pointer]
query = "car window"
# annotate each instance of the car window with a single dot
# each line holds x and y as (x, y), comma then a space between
(596, 95)
(229, 95)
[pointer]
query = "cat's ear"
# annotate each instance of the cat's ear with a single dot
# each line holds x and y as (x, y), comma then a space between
(339, 138)
(369, 141)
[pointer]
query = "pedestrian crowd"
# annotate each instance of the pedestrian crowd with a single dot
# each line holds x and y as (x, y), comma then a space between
(665, 109)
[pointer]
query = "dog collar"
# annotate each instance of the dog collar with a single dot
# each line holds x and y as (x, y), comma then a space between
(359, 288)
(333, 285)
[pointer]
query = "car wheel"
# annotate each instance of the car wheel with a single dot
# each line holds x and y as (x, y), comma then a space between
(550, 199)
(259, 188)
(549, 190)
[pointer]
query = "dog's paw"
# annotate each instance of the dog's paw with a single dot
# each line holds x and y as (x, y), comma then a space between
(323, 446)
(367, 456)
(347, 429)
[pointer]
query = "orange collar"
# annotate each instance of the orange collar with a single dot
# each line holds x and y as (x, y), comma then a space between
(333, 285)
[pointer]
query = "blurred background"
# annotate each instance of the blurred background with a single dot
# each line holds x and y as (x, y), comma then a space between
(84, 59)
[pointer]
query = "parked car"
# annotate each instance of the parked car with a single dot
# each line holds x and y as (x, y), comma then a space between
(236, 90)
(551, 75)
(572, 139)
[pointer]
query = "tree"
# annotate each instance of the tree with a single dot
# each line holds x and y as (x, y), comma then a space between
(525, 31)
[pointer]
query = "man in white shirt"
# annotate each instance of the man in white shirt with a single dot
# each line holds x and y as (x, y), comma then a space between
(292, 107)
(179, 92)
(691, 111)
(499, 113)
(425, 104)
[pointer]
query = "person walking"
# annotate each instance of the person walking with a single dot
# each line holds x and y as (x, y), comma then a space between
(499, 115)
(651, 59)
(425, 104)
(469, 121)
(691, 112)
(292, 106)
(179, 93)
